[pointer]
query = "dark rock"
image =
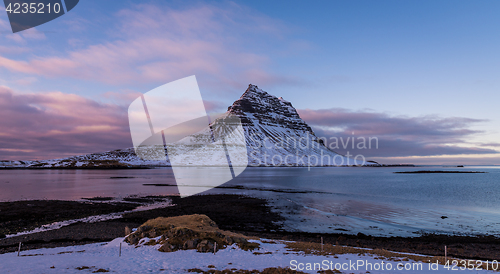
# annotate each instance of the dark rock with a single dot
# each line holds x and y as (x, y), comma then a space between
(153, 234)
(229, 240)
(264, 107)
(133, 239)
(205, 246)
(144, 228)
(191, 244)
(166, 248)
(362, 236)
(240, 240)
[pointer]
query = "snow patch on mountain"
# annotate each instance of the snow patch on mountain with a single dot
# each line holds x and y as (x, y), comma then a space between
(273, 131)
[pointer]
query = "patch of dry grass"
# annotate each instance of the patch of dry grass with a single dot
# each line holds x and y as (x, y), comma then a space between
(195, 231)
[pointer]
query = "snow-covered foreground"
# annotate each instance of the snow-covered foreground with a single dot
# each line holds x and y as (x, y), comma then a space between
(146, 259)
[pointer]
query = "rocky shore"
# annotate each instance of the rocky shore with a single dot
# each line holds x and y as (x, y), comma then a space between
(247, 216)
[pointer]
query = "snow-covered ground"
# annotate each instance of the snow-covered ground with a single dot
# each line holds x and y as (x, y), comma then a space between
(146, 259)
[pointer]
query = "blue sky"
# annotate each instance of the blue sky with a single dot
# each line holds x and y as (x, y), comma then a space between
(426, 65)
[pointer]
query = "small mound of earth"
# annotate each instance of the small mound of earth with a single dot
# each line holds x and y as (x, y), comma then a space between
(195, 231)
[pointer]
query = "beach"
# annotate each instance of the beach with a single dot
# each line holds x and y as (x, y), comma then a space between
(237, 213)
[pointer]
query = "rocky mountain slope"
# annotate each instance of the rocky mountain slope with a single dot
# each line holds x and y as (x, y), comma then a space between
(272, 130)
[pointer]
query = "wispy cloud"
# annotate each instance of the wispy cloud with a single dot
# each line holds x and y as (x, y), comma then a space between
(490, 144)
(160, 44)
(13, 50)
(56, 124)
(398, 136)
(22, 37)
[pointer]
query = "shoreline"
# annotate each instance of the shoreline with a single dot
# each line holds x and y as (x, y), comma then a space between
(226, 210)
(196, 166)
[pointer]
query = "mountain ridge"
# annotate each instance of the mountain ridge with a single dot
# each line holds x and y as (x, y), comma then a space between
(274, 133)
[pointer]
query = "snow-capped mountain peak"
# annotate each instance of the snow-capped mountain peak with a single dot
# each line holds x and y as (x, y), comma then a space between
(274, 133)
(267, 110)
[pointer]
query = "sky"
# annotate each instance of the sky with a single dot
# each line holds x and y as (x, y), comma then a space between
(420, 76)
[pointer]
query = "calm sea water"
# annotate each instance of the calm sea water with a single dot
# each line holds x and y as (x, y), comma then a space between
(373, 201)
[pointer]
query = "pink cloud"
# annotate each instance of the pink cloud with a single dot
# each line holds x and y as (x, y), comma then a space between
(13, 50)
(29, 34)
(56, 124)
(397, 136)
(157, 44)
(26, 81)
(122, 97)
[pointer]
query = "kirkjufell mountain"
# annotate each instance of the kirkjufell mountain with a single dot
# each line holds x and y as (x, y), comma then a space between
(277, 136)
(273, 131)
